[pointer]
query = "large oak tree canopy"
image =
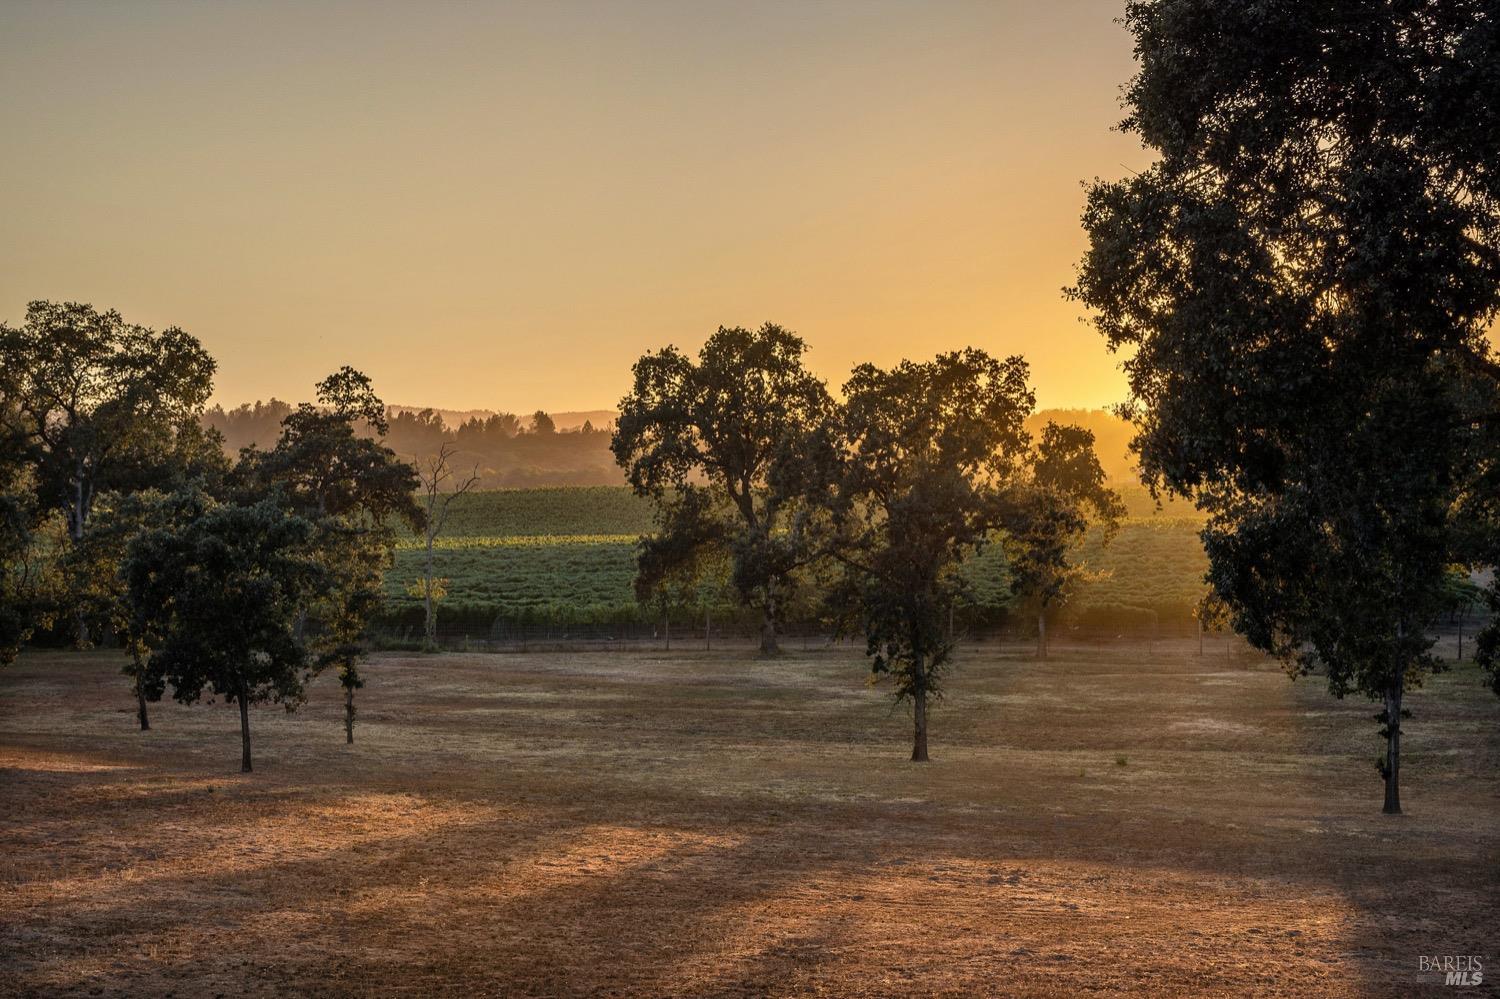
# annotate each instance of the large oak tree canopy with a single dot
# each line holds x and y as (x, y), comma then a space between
(1301, 287)
(724, 444)
(932, 460)
(98, 404)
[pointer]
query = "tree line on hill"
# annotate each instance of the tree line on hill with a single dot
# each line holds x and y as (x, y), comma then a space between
(508, 451)
(516, 452)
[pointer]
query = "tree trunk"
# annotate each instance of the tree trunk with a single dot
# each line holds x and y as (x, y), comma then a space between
(429, 622)
(244, 732)
(299, 627)
(708, 630)
(1461, 638)
(79, 514)
(666, 630)
(919, 713)
(349, 715)
(1041, 634)
(140, 691)
(1391, 769)
(1200, 636)
(768, 644)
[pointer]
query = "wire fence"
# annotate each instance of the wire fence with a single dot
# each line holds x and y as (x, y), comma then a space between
(1453, 642)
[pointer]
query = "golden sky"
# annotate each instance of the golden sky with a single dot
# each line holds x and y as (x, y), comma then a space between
(503, 205)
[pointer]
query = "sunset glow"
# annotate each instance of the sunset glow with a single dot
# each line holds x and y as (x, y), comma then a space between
(503, 207)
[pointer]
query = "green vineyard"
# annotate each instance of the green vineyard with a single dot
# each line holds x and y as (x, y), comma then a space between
(566, 556)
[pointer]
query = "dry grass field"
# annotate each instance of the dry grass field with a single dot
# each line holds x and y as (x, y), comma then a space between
(1116, 820)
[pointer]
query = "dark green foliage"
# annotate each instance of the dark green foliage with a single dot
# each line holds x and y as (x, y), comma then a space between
(90, 406)
(323, 467)
(685, 550)
(24, 597)
(932, 456)
(724, 446)
(102, 405)
(229, 585)
(98, 591)
(28, 597)
(350, 487)
(1064, 490)
(1302, 283)
(354, 558)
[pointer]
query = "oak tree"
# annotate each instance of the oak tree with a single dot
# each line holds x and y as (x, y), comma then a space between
(1301, 285)
(233, 581)
(1063, 491)
(98, 402)
(722, 444)
(330, 466)
(98, 405)
(931, 455)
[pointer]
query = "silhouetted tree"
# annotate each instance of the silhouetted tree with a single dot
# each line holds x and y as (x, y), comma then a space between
(233, 579)
(1302, 283)
(354, 557)
(1064, 490)
(99, 405)
(98, 402)
(541, 423)
(324, 468)
(933, 457)
(350, 487)
(96, 585)
(722, 445)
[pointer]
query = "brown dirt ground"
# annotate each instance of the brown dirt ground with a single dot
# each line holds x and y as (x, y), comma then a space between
(1116, 820)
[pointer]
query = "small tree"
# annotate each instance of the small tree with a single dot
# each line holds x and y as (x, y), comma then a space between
(1211, 614)
(1064, 490)
(234, 580)
(354, 558)
(441, 487)
(933, 454)
(350, 487)
(723, 446)
(100, 592)
(1463, 595)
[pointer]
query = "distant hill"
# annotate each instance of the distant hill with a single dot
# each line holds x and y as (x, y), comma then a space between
(570, 420)
(513, 457)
